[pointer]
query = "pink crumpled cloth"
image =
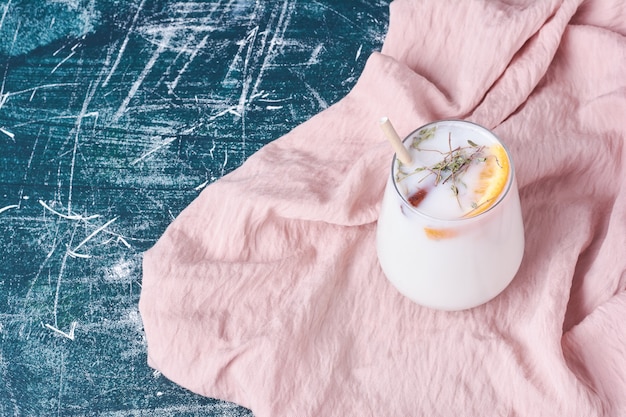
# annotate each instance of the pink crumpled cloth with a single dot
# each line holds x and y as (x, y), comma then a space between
(266, 291)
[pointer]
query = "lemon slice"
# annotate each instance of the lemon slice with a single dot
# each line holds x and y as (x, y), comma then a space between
(492, 180)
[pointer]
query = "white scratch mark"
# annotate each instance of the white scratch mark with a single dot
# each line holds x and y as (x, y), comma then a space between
(344, 17)
(124, 44)
(69, 334)
(279, 34)
(198, 48)
(6, 132)
(5, 96)
(250, 39)
(51, 85)
(62, 62)
(43, 264)
(57, 194)
(247, 93)
(123, 241)
(59, 280)
(165, 142)
(201, 186)
(75, 254)
(95, 114)
(273, 107)
(62, 47)
(264, 98)
(144, 73)
(166, 74)
(4, 14)
(28, 166)
(191, 129)
(68, 217)
(323, 104)
(224, 164)
(213, 146)
(314, 59)
(91, 91)
(116, 237)
(3, 209)
(358, 53)
(232, 111)
(235, 64)
(6, 67)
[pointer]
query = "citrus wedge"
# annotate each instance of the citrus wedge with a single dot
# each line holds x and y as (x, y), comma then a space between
(438, 234)
(492, 180)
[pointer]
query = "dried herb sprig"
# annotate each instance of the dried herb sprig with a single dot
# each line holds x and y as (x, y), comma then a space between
(454, 163)
(423, 135)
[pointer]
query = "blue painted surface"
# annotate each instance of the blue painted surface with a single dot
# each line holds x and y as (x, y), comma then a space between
(114, 115)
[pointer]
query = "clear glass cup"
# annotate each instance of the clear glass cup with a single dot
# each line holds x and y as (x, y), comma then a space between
(450, 263)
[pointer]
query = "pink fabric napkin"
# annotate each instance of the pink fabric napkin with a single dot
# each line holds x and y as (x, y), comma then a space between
(266, 291)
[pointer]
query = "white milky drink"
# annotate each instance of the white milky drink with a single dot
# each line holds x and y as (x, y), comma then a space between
(450, 234)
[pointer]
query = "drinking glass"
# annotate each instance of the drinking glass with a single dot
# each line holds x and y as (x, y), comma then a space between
(450, 263)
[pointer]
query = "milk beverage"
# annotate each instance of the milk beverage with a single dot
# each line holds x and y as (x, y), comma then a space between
(450, 234)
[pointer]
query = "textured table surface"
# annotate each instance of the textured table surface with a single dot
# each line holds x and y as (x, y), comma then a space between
(114, 115)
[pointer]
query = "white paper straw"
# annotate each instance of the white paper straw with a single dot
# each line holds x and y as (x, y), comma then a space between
(401, 152)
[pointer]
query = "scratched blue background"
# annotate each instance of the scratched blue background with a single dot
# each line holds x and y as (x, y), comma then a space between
(114, 115)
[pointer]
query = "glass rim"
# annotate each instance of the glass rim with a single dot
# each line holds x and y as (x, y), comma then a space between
(488, 132)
